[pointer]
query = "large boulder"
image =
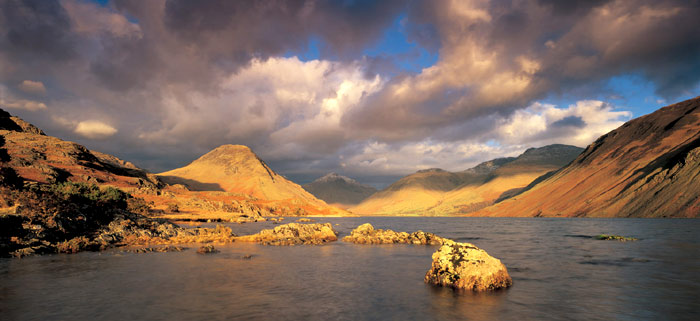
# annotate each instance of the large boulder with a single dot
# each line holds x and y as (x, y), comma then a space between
(366, 234)
(294, 234)
(465, 266)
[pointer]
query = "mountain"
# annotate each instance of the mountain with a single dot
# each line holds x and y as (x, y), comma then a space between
(236, 169)
(39, 158)
(255, 189)
(339, 190)
(648, 167)
(439, 192)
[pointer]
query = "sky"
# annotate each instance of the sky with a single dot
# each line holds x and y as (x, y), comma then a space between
(374, 90)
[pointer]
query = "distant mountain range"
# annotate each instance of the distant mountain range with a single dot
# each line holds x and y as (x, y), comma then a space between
(339, 190)
(648, 167)
(439, 192)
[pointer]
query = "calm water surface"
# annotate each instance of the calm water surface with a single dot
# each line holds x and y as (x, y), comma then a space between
(558, 274)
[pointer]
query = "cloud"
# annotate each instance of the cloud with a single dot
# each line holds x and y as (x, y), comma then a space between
(94, 129)
(498, 57)
(89, 18)
(537, 125)
(32, 87)
(171, 73)
(24, 104)
(287, 107)
(8, 100)
(542, 124)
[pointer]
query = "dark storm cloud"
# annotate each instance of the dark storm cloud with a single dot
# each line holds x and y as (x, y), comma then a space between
(570, 121)
(241, 30)
(501, 56)
(36, 29)
(176, 78)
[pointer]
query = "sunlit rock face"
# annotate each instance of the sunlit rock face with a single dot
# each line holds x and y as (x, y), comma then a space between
(465, 266)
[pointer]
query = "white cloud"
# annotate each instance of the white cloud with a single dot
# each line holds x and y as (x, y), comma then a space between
(578, 124)
(535, 126)
(25, 104)
(292, 105)
(32, 87)
(7, 100)
(94, 129)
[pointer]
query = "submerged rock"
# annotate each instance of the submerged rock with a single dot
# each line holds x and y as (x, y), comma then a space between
(465, 266)
(305, 220)
(620, 238)
(161, 249)
(294, 234)
(366, 234)
(207, 249)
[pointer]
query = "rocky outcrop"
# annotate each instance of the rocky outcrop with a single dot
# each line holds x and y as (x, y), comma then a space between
(465, 266)
(294, 234)
(366, 234)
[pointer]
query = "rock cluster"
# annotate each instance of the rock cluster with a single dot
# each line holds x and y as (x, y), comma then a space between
(294, 234)
(366, 234)
(465, 266)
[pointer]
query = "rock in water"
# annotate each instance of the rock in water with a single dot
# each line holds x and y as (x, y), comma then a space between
(366, 234)
(465, 266)
(207, 249)
(293, 234)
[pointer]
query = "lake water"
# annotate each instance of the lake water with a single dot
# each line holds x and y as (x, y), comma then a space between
(558, 274)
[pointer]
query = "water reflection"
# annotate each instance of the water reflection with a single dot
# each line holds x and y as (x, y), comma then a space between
(557, 275)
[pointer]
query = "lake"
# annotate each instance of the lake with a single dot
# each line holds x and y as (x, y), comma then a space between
(559, 273)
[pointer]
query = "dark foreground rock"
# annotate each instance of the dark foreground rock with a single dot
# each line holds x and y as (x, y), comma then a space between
(70, 217)
(366, 234)
(294, 234)
(465, 266)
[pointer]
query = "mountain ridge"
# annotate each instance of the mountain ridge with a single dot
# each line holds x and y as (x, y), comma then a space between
(439, 192)
(338, 190)
(648, 167)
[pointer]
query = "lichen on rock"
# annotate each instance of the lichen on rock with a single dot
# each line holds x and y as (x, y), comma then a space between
(465, 266)
(366, 234)
(294, 234)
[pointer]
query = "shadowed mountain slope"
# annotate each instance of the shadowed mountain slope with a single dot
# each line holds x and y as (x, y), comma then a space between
(339, 190)
(648, 167)
(45, 159)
